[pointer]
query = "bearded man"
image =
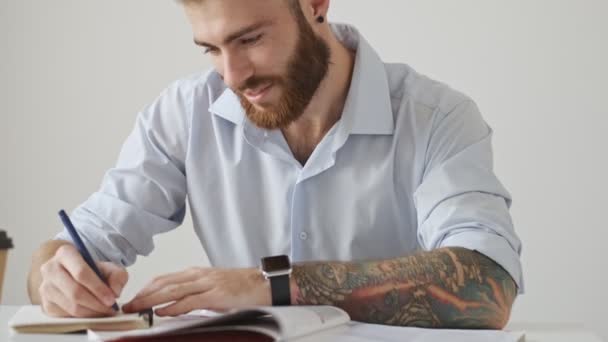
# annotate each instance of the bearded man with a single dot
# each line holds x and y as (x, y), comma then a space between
(300, 144)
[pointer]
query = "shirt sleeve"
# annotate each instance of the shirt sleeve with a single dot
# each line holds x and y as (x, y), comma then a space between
(460, 202)
(144, 194)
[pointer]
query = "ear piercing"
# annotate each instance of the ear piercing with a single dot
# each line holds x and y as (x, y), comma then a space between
(320, 19)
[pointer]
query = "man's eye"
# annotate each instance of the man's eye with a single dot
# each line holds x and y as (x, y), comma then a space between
(210, 50)
(252, 40)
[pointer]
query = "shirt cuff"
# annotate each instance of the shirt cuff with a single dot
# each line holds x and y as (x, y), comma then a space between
(494, 247)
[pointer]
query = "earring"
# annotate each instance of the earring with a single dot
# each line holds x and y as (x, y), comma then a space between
(320, 19)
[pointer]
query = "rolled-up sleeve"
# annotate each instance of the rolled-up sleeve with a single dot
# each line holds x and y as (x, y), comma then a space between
(460, 202)
(145, 193)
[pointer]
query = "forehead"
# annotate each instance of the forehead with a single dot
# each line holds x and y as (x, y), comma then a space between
(212, 20)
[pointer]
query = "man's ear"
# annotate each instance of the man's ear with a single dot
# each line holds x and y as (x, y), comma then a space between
(315, 9)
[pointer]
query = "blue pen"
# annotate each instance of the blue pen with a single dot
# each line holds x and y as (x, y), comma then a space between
(81, 248)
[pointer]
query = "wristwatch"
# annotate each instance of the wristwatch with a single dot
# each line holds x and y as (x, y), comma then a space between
(277, 269)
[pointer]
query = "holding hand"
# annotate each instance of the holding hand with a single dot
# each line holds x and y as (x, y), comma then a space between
(203, 288)
(70, 288)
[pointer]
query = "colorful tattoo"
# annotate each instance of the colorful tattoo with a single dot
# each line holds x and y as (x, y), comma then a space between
(443, 288)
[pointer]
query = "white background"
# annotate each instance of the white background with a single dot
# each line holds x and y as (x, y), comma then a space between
(73, 75)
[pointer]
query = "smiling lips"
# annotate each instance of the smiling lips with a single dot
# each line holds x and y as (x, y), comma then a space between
(256, 95)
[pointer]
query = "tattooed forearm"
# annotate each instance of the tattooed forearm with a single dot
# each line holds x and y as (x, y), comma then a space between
(443, 288)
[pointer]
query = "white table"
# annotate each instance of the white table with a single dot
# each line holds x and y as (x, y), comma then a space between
(535, 332)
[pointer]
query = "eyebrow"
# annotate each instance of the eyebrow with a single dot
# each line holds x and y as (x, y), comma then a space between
(235, 35)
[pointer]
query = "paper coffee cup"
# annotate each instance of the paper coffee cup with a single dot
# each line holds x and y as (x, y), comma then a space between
(5, 244)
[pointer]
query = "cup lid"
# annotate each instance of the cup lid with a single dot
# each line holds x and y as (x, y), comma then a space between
(5, 241)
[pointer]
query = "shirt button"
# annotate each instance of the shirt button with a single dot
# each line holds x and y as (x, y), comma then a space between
(303, 236)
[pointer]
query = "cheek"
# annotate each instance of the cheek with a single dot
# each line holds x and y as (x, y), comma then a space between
(269, 60)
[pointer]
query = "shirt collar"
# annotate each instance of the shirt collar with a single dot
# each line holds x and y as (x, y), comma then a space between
(228, 106)
(367, 109)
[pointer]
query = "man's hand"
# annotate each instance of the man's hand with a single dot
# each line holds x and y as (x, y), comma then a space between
(70, 288)
(203, 288)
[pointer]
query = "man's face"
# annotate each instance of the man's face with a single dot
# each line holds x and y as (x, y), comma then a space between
(268, 55)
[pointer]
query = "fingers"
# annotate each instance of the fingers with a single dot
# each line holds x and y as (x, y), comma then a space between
(48, 304)
(169, 293)
(182, 306)
(74, 292)
(58, 305)
(84, 275)
(161, 289)
(115, 275)
(54, 310)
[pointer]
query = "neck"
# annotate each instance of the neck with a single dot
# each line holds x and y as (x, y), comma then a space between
(326, 106)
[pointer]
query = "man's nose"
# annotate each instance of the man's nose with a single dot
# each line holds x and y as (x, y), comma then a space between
(236, 70)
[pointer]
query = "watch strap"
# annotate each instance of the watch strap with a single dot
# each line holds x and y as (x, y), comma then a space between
(279, 287)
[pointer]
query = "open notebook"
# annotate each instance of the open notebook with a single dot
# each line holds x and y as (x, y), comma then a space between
(277, 322)
(30, 319)
(312, 323)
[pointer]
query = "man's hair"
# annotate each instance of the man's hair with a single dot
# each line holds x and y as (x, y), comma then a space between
(294, 5)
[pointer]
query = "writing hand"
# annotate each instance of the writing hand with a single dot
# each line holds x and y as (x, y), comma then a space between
(70, 288)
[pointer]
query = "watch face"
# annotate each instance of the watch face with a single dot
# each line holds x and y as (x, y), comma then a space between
(275, 263)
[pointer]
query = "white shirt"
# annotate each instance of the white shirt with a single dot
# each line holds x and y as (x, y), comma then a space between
(407, 167)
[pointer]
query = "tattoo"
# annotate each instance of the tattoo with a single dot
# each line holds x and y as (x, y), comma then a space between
(443, 288)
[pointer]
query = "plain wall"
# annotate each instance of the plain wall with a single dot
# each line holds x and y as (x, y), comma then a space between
(73, 75)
